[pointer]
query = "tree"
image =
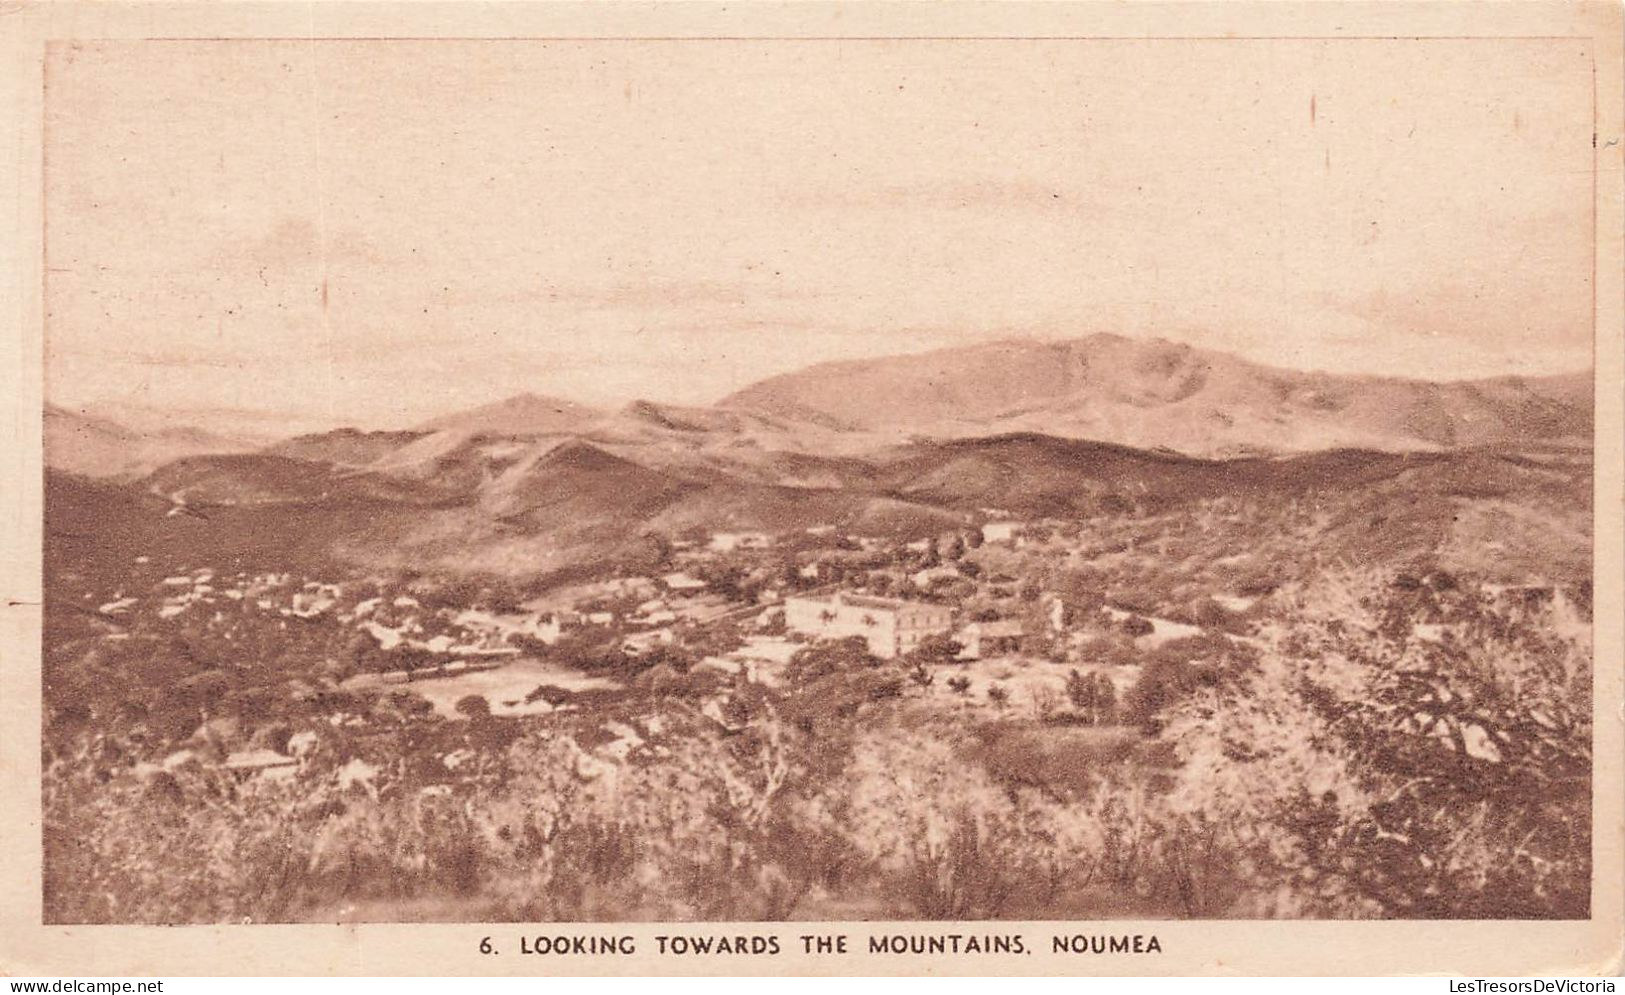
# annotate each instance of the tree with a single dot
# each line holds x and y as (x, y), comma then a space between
(725, 580)
(1139, 599)
(679, 659)
(1257, 581)
(1209, 614)
(1137, 626)
(474, 706)
(503, 600)
(936, 649)
(790, 574)
(1105, 700)
(660, 549)
(828, 656)
(1166, 679)
(363, 654)
(775, 625)
(1082, 591)
(920, 674)
(1388, 774)
(716, 639)
(1079, 690)
(550, 693)
(998, 694)
(959, 685)
(591, 648)
(1093, 697)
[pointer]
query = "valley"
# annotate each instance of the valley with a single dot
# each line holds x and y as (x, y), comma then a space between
(544, 661)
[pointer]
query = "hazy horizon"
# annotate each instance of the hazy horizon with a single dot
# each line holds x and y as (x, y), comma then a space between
(325, 240)
(114, 407)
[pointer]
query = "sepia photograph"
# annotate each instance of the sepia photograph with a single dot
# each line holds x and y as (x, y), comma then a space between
(820, 478)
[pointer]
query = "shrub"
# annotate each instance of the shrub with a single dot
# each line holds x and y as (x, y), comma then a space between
(718, 639)
(1093, 696)
(552, 694)
(1350, 767)
(826, 657)
(1397, 775)
(473, 706)
(1115, 650)
(1136, 626)
(935, 649)
(961, 879)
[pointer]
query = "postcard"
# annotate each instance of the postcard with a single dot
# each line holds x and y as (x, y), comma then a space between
(812, 489)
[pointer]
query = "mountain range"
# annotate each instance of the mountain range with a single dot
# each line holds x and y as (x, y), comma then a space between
(903, 445)
(1154, 393)
(94, 445)
(1145, 393)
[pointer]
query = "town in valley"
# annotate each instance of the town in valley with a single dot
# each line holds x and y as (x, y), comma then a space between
(541, 662)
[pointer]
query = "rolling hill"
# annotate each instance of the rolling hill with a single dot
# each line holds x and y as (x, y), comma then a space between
(552, 505)
(343, 446)
(94, 446)
(1158, 394)
(905, 446)
(1042, 475)
(521, 415)
(576, 482)
(265, 478)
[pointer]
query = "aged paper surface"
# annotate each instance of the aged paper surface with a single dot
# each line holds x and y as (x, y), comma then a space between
(1030, 489)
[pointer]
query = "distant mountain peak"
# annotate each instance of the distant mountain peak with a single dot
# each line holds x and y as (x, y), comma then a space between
(94, 445)
(1152, 392)
(530, 398)
(522, 414)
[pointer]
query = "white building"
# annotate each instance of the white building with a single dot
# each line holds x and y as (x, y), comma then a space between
(682, 583)
(1004, 531)
(642, 642)
(891, 627)
(727, 542)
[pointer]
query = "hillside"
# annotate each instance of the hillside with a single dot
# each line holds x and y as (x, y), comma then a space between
(574, 482)
(521, 415)
(1042, 475)
(344, 446)
(907, 446)
(1158, 394)
(532, 508)
(264, 478)
(93, 446)
(99, 528)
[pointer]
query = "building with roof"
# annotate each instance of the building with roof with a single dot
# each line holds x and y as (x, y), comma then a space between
(1001, 531)
(682, 583)
(727, 542)
(890, 626)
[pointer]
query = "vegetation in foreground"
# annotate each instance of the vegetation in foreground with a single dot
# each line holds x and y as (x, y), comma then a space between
(1379, 745)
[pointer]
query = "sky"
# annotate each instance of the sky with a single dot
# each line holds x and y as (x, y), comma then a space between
(376, 232)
